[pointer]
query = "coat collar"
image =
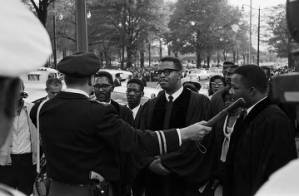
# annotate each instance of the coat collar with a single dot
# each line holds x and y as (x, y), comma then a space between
(70, 95)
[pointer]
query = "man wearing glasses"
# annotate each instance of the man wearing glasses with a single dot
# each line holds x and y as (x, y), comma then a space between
(175, 106)
(103, 88)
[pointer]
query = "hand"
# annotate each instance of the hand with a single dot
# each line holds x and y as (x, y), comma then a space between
(157, 167)
(196, 131)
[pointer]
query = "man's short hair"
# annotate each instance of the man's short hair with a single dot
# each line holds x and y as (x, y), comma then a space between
(137, 81)
(228, 63)
(53, 82)
(105, 74)
(70, 80)
(253, 76)
(177, 63)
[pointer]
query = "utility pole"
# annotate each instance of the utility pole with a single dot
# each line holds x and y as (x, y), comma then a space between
(54, 37)
(81, 26)
(258, 38)
(250, 33)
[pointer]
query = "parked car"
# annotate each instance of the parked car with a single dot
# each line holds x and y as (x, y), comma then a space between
(119, 94)
(199, 74)
(125, 75)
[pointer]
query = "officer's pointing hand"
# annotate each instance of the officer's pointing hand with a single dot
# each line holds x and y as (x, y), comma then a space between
(196, 131)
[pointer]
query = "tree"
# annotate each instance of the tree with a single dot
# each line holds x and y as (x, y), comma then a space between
(202, 27)
(40, 8)
(281, 38)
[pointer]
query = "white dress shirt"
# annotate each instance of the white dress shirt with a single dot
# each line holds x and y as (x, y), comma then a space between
(135, 110)
(21, 142)
(175, 95)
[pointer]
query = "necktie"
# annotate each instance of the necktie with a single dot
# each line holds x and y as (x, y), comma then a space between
(168, 112)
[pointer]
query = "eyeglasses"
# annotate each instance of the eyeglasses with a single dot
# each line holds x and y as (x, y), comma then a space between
(216, 84)
(101, 86)
(166, 72)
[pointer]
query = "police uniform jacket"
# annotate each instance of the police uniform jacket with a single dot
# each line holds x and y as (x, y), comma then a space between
(80, 135)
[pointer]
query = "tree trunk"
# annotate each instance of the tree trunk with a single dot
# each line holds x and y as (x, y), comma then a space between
(149, 53)
(160, 48)
(218, 58)
(208, 60)
(234, 56)
(129, 56)
(142, 56)
(224, 55)
(198, 58)
(168, 50)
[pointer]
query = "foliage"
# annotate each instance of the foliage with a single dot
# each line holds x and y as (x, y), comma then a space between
(203, 27)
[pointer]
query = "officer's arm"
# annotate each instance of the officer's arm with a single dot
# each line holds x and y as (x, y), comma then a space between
(121, 135)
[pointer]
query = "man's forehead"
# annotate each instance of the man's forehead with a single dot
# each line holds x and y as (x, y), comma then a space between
(133, 85)
(166, 65)
(102, 80)
(55, 87)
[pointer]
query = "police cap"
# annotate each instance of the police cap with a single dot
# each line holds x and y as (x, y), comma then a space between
(79, 65)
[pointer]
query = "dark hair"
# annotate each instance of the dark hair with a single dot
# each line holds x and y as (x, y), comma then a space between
(253, 76)
(212, 79)
(228, 63)
(105, 74)
(53, 82)
(175, 61)
(70, 80)
(234, 66)
(137, 81)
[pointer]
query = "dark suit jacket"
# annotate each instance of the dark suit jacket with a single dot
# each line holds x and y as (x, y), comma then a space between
(124, 112)
(80, 135)
(260, 145)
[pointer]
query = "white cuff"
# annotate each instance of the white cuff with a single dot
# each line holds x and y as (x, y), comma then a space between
(180, 136)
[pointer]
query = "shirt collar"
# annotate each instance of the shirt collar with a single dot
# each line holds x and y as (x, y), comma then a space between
(105, 103)
(135, 110)
(249, 109)
(175, 95)
(78, 91)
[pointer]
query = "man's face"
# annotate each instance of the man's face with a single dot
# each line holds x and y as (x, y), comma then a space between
(134, 95)
(103, 89)
(225, 70)
(169, 76)
(53, 90)
(239, 90)
(216, 85)
(229, 73)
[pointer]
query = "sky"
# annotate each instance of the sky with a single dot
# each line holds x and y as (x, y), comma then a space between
(257, 3)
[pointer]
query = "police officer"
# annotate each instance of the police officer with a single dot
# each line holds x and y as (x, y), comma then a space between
(83, 137)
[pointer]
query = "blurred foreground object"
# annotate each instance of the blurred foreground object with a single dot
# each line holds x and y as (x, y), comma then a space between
(24, 42)
(24, 46)
(293, 19)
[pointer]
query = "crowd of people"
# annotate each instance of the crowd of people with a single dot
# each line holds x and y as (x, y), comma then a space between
(81, 133)
(166, 147)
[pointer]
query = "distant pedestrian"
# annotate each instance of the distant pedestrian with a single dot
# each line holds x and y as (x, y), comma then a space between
(216, 83)
(117, 80)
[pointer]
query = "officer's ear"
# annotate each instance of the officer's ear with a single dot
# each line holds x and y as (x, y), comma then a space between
(91, 80)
